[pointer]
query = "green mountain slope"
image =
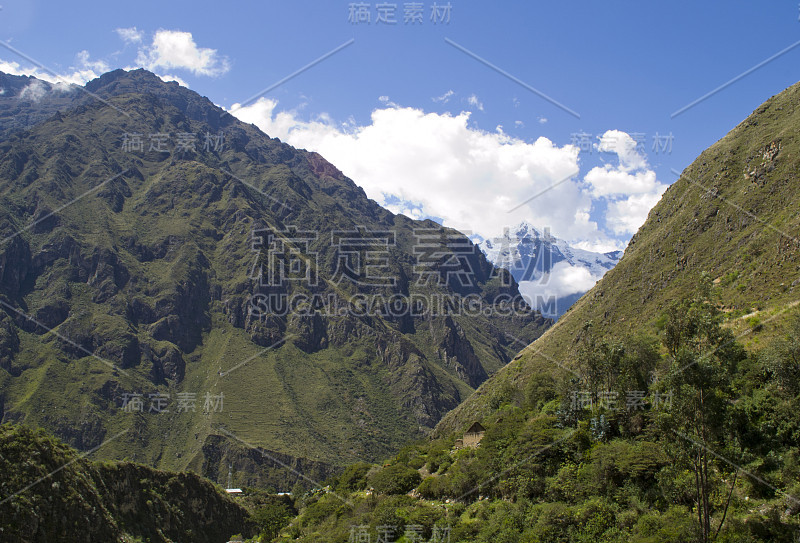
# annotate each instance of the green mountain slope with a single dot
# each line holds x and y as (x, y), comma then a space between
(142, 237)
(732, 214)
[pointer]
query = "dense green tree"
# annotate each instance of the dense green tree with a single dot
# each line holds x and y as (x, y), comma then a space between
(271, 519)
(395, 479)
(695, 398)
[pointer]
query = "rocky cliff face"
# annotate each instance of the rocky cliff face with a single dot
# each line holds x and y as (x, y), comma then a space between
(257, 468)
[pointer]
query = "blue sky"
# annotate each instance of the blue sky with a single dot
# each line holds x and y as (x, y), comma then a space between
(428, 129)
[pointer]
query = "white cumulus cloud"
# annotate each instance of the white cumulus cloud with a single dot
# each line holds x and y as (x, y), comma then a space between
(630, 187)
(84, 70)
(96, 66)
(33, 91)
(172, 77)
(75, 76)
(435, 165)
(564, 279)
(612, 180)
(625, 147)
(624, 217)
(174, 49)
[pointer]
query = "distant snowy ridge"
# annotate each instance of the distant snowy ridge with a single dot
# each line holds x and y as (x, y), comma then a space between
(551, 274)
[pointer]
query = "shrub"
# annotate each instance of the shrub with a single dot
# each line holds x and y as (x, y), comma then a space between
(321, 510)
(425, 516)
(433, 487)
(541, 389)
(354, 477)
(395, 479)
(549, 523)
(389, 513)
(676, 525)
(440, 462)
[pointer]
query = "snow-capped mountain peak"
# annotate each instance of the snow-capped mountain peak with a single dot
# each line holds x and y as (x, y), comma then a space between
(552, 274)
